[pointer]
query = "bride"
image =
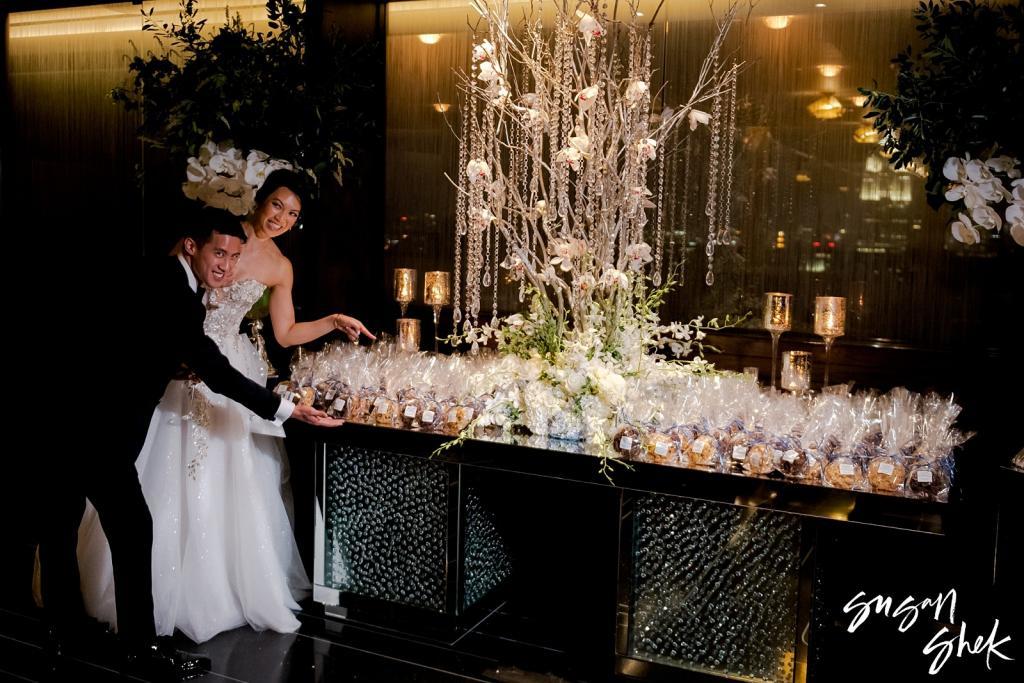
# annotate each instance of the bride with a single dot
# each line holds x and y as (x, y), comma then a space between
(214, 474)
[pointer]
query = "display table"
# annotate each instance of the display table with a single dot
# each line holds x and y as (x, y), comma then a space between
(721, 574)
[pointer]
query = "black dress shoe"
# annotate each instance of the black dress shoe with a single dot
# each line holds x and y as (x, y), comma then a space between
(159, 663)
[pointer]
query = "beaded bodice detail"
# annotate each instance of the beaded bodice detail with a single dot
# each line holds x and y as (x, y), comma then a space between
(225, 308)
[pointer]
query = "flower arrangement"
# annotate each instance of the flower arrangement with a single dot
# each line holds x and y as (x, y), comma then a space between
(979, 186)
(561, 166)
(215, 97)
(222, 177)
(954, 112)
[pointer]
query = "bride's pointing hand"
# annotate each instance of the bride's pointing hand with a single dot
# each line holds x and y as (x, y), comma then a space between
(351, 327)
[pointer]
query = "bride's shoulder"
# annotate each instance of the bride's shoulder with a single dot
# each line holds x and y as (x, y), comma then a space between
(279, 271)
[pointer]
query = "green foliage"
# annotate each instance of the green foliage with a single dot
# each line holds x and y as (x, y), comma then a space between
(960, 93)
(259, 90)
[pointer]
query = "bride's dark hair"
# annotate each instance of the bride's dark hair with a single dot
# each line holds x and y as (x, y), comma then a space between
(282, 177)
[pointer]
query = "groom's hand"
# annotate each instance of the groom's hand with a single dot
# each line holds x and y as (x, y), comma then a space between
(315, 417)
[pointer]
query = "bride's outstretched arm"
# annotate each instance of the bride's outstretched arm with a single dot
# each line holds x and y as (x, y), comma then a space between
(287, 332)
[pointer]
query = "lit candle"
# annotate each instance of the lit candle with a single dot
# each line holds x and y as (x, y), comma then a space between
(778, 312)
(408, 334)
(796, 371)
(405, 286)
(436, 288)
(829, 316)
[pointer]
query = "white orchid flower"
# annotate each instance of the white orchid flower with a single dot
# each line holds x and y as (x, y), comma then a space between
(964, 232)
(585, 283)
(953, 169)
(589, 27)
(580, 141)
(697, 117)
(614, 278)
(647, 149)
(635, 92)
(986, 217)
(195, 171)
(565, 251)
(483, 51)
(488, 72)
(1015, 212)
(477, 170)
(571, 156)
(973, 196)
(1005, 164)
(206, 151)
(992, 190)
(1017, 233)
(637, 255)
(1018, 190)
(586, 97)
(515, 266)
(977, 171)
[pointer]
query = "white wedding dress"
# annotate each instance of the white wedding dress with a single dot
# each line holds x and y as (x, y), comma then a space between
(215, 478)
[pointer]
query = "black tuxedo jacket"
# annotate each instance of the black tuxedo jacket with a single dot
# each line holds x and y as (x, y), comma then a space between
(164, 328)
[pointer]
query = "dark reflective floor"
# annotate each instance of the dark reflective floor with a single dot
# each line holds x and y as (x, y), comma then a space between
(322, 650)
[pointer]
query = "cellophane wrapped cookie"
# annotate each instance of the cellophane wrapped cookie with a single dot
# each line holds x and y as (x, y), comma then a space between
(887, 469)
(660, 446)
(628, 439)
(704, 452)
(931, 473)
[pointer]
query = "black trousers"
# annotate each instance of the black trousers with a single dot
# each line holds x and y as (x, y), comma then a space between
(108, 478)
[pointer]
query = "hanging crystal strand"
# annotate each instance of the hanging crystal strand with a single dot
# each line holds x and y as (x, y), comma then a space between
(673, 204)
(714, 171)
(486, 278)
(568, 84)
(460, 222)
(725, 224)
(659, 238)
(494, 279)
(685, 209)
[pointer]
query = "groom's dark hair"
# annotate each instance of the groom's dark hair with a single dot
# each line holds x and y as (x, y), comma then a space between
(208, 220)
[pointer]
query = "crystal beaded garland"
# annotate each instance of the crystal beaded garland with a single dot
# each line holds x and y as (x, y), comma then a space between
(558, 148)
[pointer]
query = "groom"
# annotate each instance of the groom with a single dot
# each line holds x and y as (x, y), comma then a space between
(165, 326)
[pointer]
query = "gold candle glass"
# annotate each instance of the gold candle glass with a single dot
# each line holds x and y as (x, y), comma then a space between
(408, 334)
(778, 318)
(405, 287)
(437, 292)
(796, 371)
(829, 322)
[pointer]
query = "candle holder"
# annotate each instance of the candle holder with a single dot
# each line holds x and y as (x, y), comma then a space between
(829, 323)
(405, 287)
(778, 318)
(437, 291)
(796, 371)
(408, 334)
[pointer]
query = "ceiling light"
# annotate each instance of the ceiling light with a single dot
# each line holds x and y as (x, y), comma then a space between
(826, 108)
(777, 23)
(867, 135)
(829, 70)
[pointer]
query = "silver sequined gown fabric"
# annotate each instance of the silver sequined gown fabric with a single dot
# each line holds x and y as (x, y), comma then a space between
(215, 478)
